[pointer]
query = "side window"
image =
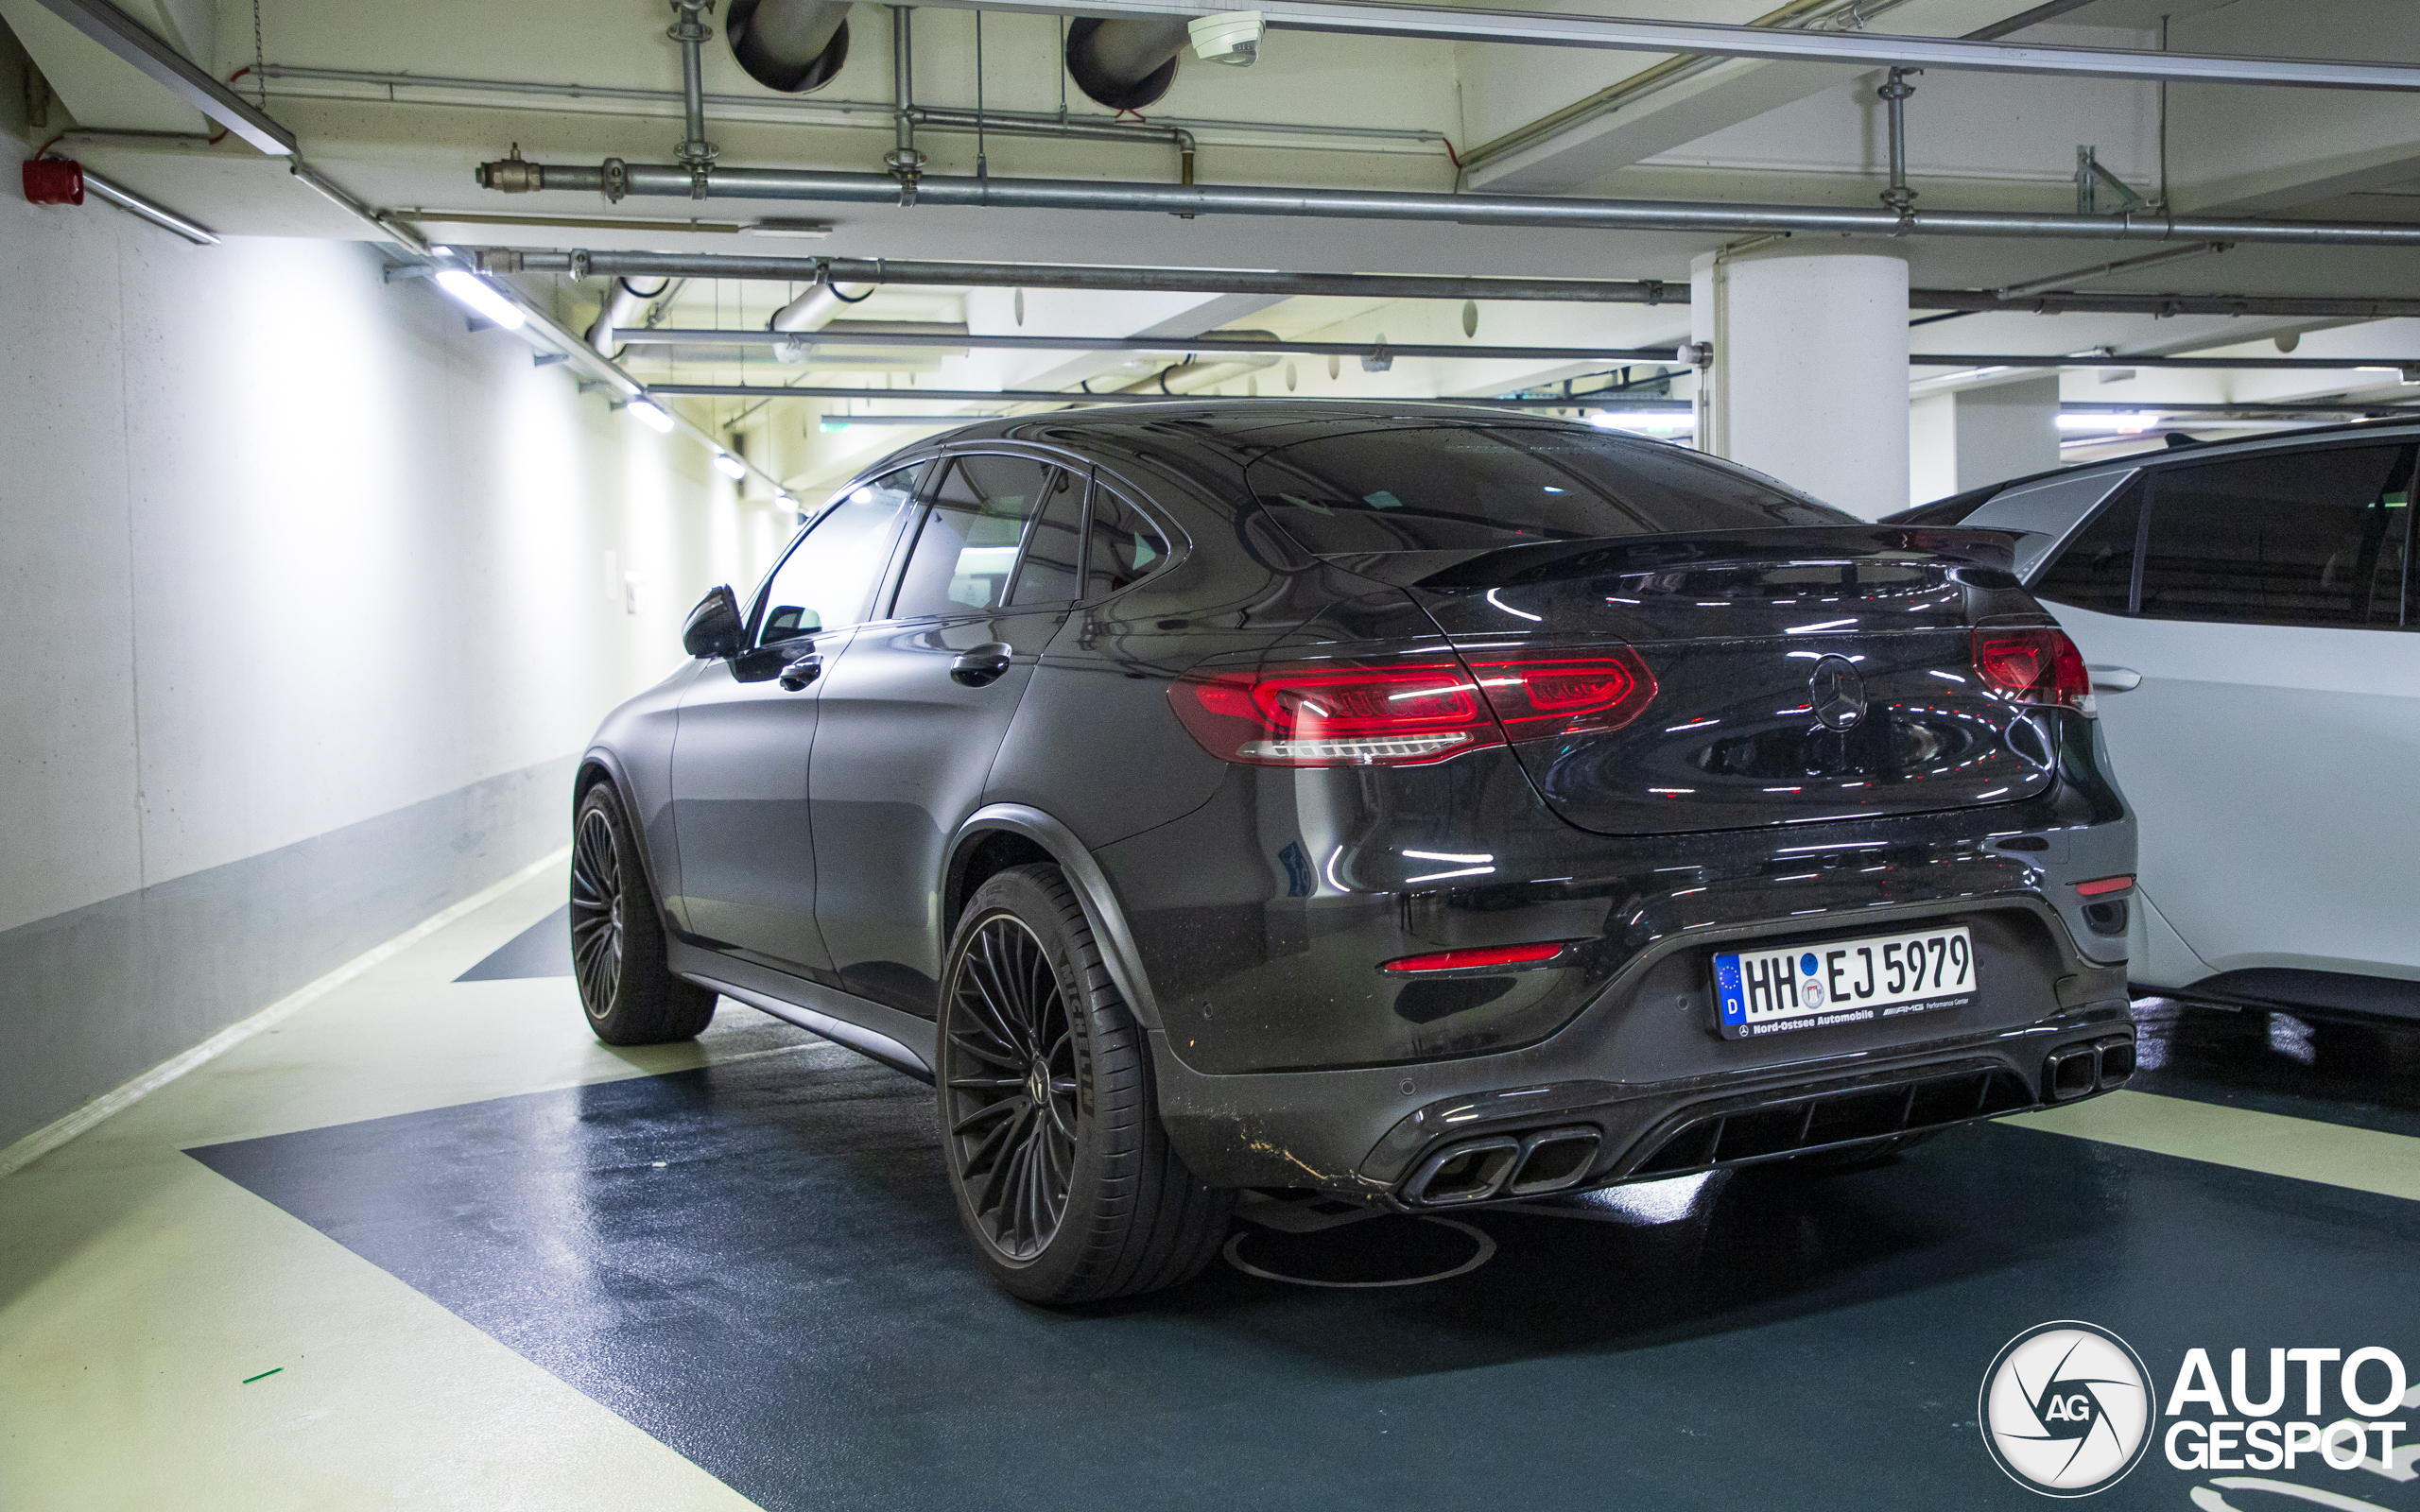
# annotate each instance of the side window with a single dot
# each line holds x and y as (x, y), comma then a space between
(2097, 571)
(968, 546)
(828, 580)
(1126, 547)
(2291, 537)
(1055, 546)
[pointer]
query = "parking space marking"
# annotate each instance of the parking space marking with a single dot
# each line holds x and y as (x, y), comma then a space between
(2273, 1143)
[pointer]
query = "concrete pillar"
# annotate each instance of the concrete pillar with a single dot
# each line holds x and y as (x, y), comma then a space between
(2007, 431)
(1973, 437)
(1810, 381)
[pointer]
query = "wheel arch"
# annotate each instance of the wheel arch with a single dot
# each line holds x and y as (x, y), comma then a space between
(598, 764)
(1001, 835)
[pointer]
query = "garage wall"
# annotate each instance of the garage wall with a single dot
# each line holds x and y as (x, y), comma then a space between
(309, 597)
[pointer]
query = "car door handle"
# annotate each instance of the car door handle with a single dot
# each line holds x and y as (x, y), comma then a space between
(802, 672)
(2114, 679)
(982, 666)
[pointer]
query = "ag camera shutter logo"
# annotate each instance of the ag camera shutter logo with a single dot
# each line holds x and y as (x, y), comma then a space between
(2066, 1409)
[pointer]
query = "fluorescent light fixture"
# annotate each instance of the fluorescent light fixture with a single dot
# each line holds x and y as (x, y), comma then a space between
(2124, 424)
(831, 425)
(785, 500)
(1655, 421)
(729, 466)
(648, 411)
(474, 294)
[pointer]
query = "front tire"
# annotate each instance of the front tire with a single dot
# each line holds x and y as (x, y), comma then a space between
(617, 941)
(1064, 1177)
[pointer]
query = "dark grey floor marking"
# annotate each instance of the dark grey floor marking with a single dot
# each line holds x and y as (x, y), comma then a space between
(541, 949)
(788, 1302)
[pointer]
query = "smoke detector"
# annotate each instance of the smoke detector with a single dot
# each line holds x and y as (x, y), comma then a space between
(1229, 37)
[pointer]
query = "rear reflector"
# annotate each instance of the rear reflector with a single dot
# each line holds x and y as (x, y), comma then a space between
(2103, 886)
(2036, 664)
(1406, 713)
(1484, 955)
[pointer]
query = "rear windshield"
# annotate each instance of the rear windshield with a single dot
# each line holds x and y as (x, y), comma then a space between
(1455, 486)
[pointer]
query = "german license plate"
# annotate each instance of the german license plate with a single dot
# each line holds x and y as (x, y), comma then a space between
(1845, 981)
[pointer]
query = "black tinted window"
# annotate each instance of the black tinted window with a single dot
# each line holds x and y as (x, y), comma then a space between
(969, 542)
(1413, 488)
(827, 581)
(2097, 569)
(1054, 547)
(2287, 537)
(1126, 547)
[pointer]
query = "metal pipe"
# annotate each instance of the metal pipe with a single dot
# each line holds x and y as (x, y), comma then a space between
(1383, 286)
(1858, 48)
(2126, 265)
(150, 210)
(696, 155)
(957, 339)
(392, 82)
(905, 163)
(1048, 396)
(1899, 198)
(2121, 359)
(1055, 276)
(1478, 210)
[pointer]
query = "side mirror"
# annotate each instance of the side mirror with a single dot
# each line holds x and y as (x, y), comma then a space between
(715, 627)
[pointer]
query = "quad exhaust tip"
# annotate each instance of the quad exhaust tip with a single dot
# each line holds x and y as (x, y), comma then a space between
(2081, 1070)
(1505, 1165)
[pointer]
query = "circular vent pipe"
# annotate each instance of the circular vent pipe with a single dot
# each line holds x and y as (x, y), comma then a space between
(791, 45)
(1129, 63)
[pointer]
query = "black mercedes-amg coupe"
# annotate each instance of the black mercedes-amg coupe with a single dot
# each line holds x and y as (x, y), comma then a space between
(1419, 804)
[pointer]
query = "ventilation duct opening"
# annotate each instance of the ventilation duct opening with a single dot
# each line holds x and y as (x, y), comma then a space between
(790, 45)
(1129, 63)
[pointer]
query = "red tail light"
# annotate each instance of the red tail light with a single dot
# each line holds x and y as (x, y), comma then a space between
(2102, 888)
(2033, 666)
(1404, 713)
(1463, 960)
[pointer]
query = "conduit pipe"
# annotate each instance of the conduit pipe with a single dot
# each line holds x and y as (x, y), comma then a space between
(1057, 275)
(789, 45)
(823, 186)
(1235, 341)
(1054, 396)
(1380, 285)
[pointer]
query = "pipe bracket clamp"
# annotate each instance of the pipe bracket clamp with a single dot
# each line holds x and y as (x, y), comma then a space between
(906, 164)
(616, 179)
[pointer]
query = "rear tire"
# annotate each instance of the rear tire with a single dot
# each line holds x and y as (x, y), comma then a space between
(617, 941)
(1064, 1177)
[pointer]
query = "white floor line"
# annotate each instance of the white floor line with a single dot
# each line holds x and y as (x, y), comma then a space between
(52, 1135)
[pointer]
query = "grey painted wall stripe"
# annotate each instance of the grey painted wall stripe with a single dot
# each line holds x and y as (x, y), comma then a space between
(94, 997)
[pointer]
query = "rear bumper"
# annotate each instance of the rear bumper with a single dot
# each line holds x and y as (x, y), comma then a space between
(1350, 1132)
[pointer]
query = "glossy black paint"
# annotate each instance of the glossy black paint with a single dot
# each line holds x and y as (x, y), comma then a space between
(828, 833)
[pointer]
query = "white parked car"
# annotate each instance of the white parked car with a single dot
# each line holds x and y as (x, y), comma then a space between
(2247, 608)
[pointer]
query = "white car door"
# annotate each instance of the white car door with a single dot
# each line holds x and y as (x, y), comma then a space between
(2245, 619)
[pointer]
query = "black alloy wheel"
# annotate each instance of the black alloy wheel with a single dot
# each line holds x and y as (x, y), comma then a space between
(596, 913)
(617, 942)
(1064, 1175)
(1012, 1098)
